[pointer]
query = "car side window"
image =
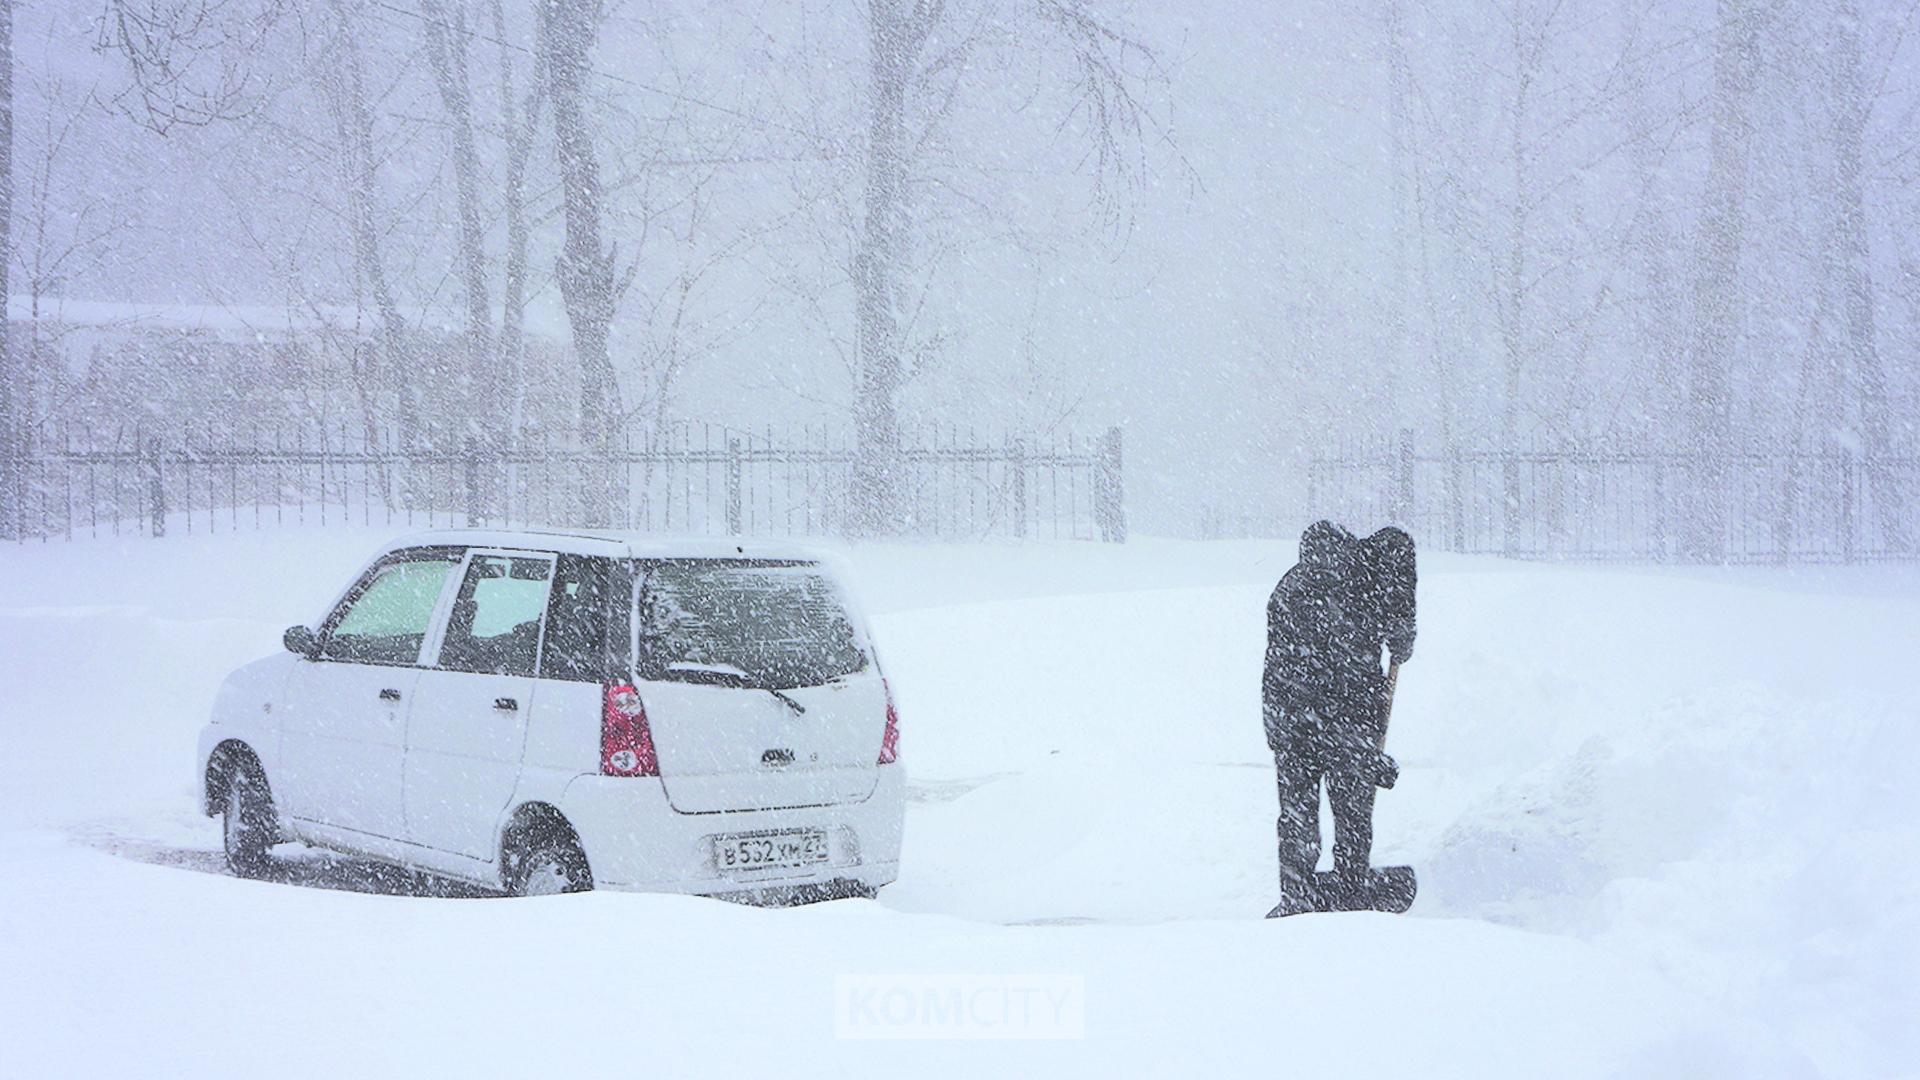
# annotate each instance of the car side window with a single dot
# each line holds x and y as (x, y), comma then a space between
(495, 625)
(576, 644)
(386, 620)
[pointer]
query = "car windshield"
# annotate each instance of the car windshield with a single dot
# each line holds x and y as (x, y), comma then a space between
(756, 624)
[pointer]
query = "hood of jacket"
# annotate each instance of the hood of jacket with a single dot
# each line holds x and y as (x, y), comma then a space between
(1327, 547)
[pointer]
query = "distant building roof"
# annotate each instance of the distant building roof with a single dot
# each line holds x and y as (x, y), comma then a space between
(233, 321)
(228, 322)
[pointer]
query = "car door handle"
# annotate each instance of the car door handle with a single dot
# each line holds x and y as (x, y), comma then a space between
(506, 704)
(389, 695)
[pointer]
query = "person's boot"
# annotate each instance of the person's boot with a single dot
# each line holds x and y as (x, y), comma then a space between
(1297, 897)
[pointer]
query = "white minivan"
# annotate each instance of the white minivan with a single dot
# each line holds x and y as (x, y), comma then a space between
(545, 712)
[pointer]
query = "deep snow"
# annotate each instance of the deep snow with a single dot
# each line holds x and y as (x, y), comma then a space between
(1662, 818)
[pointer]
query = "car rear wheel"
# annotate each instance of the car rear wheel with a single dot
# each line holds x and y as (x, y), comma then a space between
(247, 825)
(548, 861)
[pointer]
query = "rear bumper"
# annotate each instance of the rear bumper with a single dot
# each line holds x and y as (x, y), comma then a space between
(635, 840)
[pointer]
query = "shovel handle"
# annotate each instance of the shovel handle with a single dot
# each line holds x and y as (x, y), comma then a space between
(1393, 681)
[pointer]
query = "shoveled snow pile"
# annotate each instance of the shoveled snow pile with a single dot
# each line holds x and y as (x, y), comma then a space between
(1662, 820)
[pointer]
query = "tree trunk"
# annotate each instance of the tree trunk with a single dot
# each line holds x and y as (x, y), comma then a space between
(353, 121)
(1851, 112)
(1513, 328)
(585, 267)
(12, 486)
(878, 268)
(1444, 375)
(1657, 324)
(520, 125)
(1400, 136)
(447, 50)
(1716, 292)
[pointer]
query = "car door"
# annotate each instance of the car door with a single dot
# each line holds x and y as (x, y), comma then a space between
(468, 728)
(343, 728)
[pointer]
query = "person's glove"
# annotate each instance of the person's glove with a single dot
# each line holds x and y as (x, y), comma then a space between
(1386, 771)
(1400, 645)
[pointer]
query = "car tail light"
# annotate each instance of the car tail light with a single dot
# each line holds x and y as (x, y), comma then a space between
(626, 743)
(890, 738)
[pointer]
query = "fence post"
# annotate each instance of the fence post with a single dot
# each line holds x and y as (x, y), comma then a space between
(1787, 510)
(1456, 496)
(156, 490)
(1557, 465)
(1402, 512)
(1314, 465)
(1110, 509)
(13, 487)
(1662, 518)
(13, 463)
(1510, 502)
(1849, 475)
(470, 468)
(733, 487)
(1017, 466)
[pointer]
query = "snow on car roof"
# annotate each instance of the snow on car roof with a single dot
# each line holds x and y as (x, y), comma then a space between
(614, 544)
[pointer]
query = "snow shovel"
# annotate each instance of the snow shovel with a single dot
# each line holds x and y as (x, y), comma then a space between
(1384, 888)
(1389, 889)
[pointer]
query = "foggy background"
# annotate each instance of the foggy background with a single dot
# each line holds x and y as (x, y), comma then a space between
(1247, 235)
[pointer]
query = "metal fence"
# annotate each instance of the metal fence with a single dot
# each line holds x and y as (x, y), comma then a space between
(1630, 505)
(690, 478)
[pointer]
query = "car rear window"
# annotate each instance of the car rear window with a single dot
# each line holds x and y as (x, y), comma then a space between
(755, 623)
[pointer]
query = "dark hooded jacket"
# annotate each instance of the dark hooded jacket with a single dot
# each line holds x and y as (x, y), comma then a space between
(1321, 689)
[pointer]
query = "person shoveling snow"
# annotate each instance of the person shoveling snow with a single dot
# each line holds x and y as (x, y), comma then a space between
(1325, 704)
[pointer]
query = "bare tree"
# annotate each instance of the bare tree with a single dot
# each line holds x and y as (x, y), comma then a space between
(66, 230)
(345, 81)
(12, 479)
(1535, 256)
(1657, 314)
(585, 268)
(1852, 108)
(1544, 158)
(520, 121)
(447, 54)
(897, 31)
(1415, 223)
(190, 63)
(1716, 286)
(1109, 69)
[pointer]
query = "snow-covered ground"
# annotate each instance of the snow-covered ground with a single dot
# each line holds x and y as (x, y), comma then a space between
(1664, 822)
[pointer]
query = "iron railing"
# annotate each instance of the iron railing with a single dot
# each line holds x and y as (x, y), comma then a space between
(692, 478)
(1613, 503)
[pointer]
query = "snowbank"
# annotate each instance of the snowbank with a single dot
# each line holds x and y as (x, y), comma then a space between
(151, 970)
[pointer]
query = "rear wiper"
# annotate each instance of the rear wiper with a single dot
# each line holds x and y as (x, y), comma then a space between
(798, 709)
(728, 675)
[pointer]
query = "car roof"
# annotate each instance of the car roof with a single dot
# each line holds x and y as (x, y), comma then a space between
(613, 544)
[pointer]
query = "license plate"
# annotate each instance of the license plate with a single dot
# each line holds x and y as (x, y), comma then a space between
(769, 851)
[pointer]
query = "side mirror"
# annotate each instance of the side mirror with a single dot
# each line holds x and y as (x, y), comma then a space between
(301, 641)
